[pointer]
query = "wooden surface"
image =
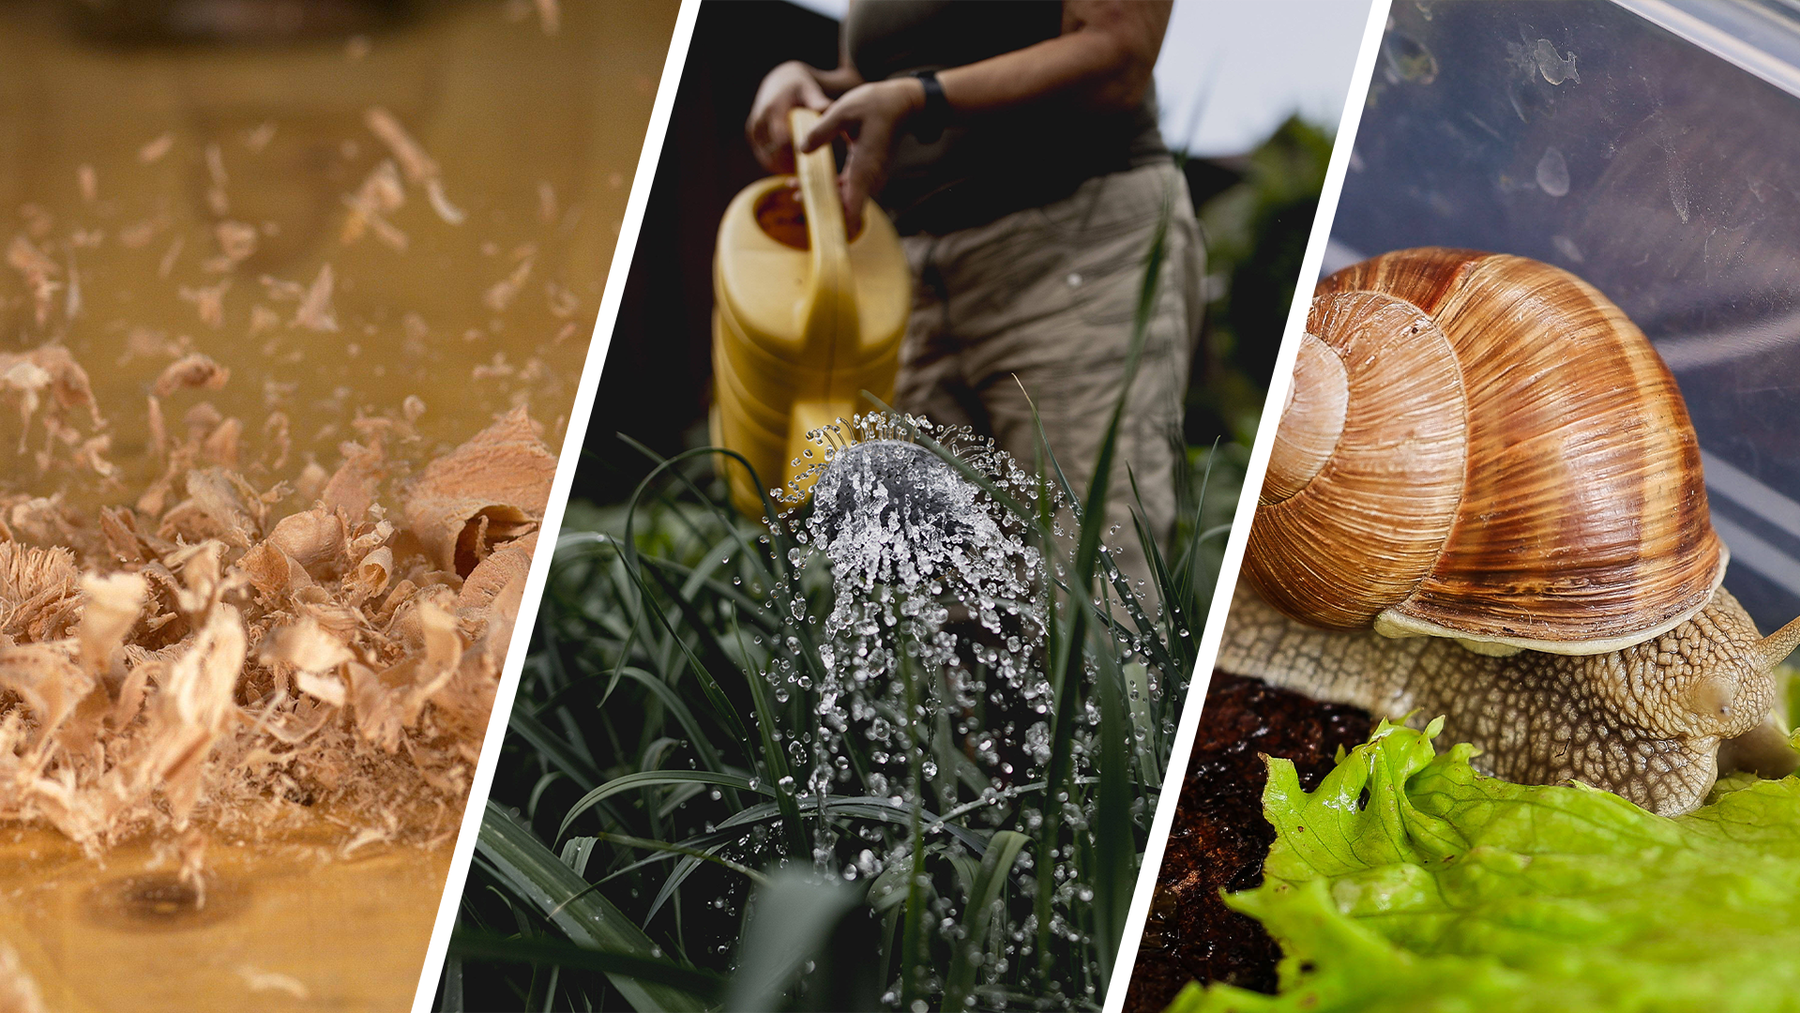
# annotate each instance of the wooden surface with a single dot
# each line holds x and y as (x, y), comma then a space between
(288, 923)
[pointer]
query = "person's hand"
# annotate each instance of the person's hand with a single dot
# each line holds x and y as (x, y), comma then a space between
(870, 117)
(789, 86)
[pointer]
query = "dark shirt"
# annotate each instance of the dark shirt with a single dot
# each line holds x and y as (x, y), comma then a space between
(975, 174)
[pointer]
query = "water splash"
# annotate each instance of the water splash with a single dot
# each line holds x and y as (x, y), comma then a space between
(933, 581)
(925, 569)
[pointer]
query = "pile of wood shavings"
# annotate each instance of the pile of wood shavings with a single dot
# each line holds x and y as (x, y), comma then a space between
(204, 658)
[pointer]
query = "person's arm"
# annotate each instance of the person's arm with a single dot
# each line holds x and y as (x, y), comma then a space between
(789, 86)
(1102, 62)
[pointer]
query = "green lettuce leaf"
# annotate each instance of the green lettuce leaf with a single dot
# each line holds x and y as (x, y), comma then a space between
(1408, 882)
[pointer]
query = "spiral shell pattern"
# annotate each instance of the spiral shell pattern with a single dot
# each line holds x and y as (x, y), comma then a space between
(1503, 459)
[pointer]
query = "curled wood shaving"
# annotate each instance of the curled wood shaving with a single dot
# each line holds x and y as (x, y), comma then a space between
(418, 165)
(196, 372)
(440, 202)
(222, 653)
(28, 377)
(272, 981)
(420, 168)
(490, 490)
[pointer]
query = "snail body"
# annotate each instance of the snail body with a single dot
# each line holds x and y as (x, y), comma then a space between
(1485, 501)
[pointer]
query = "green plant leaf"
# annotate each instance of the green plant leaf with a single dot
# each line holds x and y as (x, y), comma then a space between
(553, 748)
(1003, 850)
(561, 953)
(1407, 881)
(1116, 867)
(533, 872)
(795, 914)
(657, 778)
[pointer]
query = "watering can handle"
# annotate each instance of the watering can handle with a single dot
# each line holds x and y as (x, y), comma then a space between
(830, 321)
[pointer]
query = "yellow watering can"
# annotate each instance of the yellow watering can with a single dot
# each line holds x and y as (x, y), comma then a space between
(804, 319)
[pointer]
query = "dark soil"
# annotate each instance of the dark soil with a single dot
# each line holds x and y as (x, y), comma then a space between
(1220, 838)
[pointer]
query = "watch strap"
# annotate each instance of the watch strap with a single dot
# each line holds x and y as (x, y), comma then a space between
(928, 123)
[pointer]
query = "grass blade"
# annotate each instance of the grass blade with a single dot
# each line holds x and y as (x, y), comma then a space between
(656, 778)
(980, 915)
(795, 915)
(535, 874)
(697, 987)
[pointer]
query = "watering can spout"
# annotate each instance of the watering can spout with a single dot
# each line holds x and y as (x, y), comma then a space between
(803, 320)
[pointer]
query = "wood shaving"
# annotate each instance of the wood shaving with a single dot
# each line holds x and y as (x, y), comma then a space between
(18, 992)
(315, 312)
(271, 981)
(418, 165)
(491, 489)
(169, 257)
(214, 657)
(209, 301)
(156, 148)
(564, 303)
(420, 168)
(259, 137)
(501, 294)
(39, 272)
(434, 194)
(72, 303)
(237, 241)
(380, 195)
(49, 378)
(195, 372)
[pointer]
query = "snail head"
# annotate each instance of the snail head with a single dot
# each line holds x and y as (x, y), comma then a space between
(1721, 670)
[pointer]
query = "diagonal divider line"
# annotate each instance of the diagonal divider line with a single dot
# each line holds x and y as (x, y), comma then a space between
(573, 436)
(1211, 633)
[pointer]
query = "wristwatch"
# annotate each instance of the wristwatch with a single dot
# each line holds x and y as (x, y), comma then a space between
(928, 123)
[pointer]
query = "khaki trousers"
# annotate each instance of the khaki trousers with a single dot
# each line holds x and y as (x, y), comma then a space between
(1043, 299)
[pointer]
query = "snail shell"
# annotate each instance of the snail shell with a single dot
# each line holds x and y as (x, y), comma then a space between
(1483, 447)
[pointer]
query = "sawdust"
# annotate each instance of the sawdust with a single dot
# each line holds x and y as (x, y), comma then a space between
(223, 654)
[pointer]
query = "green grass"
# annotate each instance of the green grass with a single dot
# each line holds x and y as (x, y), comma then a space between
(659, 839)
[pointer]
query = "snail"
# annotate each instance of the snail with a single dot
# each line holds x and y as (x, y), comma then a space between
(1484, 501)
